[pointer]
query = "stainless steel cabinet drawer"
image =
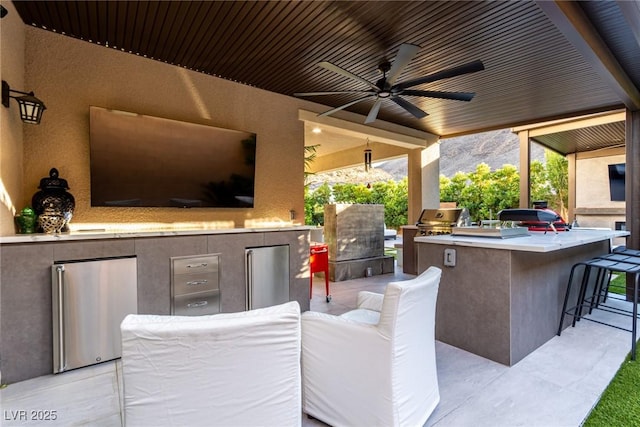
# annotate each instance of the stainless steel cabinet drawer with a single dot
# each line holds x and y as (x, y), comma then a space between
(197, 304)
(195, 264)
(195, 285)
(189, 283)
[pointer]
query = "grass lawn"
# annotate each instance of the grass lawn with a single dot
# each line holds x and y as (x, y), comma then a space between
(391, 252)
(618, 284)
(620, 402)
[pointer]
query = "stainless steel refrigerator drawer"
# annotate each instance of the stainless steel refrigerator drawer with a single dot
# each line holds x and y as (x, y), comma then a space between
(197, 304)
(267, 276)
(195, 264)
(190, 283)
(90, 299)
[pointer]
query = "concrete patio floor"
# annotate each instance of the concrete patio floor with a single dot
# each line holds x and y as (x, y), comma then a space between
(556, 385)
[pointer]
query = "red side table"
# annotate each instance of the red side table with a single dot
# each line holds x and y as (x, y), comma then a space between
(319, 261)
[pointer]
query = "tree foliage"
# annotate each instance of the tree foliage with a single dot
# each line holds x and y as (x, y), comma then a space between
(558, 177)
(391, 194)
(483, 192)
(314, 202)
(310, 154)
(540, 188)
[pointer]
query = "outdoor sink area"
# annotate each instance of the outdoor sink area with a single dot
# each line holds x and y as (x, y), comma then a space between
(495, 232)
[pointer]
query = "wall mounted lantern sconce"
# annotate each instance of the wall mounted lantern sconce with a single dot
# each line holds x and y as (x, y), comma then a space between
(31, 108)
(367, 157)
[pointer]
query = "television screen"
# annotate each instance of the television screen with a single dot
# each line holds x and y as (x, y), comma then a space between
(139, 160)
(616, 182)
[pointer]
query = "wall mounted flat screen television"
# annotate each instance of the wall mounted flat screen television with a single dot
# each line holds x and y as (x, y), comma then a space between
(139, 160)
(617, 182)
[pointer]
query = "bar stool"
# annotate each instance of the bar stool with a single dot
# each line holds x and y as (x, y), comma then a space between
(625, 251)
(620, 255)
(616, 262)
(319, 261)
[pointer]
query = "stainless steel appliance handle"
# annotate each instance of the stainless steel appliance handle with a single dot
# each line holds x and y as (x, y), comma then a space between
(249, 278)
(197, 282)
(201, 265)
(61, 353)
(197, 304)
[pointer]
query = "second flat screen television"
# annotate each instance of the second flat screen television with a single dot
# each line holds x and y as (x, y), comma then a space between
(617, 182)
(139, 160)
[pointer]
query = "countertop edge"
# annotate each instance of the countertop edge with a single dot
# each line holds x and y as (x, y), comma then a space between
(99, 235)
(534, 242)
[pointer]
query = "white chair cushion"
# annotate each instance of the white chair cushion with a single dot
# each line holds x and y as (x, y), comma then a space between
(370, 367)
(236, 369)
(362, 315)
(369, 300)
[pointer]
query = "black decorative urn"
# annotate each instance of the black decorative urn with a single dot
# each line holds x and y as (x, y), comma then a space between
(53, 197)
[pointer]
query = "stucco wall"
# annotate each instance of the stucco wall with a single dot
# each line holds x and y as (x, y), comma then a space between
(594, 207)
(12, 37)
(70, 75)
(592, 182)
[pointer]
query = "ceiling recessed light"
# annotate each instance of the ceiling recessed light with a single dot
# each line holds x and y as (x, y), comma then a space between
(316, 130)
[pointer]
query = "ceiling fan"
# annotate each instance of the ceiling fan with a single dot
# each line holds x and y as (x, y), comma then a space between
(387, 88)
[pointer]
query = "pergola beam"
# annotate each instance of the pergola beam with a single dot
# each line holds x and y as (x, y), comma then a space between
(540, 129)
(571, 20)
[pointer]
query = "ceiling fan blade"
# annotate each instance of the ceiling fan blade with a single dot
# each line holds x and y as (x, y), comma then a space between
(405, 55)
(417, 113)
(456, 96)
(348, 104)
(329, 66)
(340, 92)
(471, 67)
(373, 113)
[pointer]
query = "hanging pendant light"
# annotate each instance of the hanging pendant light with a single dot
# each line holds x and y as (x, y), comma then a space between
(367, 157)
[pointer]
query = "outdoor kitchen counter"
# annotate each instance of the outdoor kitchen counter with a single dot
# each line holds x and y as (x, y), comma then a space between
(536, 241)
(26, 329)
(100, 234)
(503, 297)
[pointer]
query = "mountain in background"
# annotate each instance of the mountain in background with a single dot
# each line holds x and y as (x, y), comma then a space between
(459, 154)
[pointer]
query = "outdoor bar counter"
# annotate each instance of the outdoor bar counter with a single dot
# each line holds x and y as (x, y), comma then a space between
(503, 297)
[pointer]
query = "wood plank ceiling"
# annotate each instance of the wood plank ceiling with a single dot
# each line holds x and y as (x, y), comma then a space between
(590, 138)
(532, 73)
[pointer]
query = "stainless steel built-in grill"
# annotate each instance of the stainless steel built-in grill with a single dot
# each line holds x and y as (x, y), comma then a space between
(434, 222)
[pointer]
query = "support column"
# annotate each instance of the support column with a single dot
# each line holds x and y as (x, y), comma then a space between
(424, 180)
(632, 184)
(414, 190)
(431, 177)
(525, 162)
(571, 208)
(632, 177)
